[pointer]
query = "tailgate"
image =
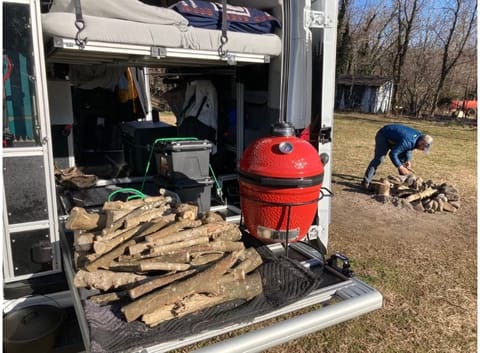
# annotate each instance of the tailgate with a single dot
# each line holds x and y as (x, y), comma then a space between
(340, 298)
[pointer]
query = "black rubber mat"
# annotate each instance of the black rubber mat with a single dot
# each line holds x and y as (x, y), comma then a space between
(284, 281)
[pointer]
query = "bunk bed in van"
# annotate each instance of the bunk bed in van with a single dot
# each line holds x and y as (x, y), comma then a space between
(186, 32)
(192, 34)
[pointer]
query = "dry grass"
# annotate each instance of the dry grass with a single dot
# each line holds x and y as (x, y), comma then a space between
(424, 265)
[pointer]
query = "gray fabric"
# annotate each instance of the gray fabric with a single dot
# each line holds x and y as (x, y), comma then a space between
(130, 10)
(127, 32)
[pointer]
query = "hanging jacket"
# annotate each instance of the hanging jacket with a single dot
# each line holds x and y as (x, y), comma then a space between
(401, 140)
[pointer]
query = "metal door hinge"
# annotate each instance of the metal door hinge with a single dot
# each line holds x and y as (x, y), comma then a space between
(317, 19)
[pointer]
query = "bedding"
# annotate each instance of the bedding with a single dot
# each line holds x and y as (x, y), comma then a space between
(122, 26)
(110, 30)
(130, 10)
(204, 14)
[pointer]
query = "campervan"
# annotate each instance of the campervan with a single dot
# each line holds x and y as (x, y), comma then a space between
(102, 96)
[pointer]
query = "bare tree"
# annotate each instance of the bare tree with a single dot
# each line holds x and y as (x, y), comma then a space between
(406, 12)
(343, 37)
(461, 17)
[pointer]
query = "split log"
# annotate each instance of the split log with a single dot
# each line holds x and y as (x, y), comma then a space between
(83, 241)
(251, 260)
(134, 213)
(212, 217)
(448, 207)
(383, 188)
(102, 247)
(219, 245)
(107, 298)
(201, 282)
(228, 289)
(148, 265)
(177, 257)
(173, 228)
(80, 219)
(104, 260)
(203, 258)
(146, 216)
(159, 223)
(170, 248)
(156, 283)
(131, 204)
(113, 215)
(421, 195)
(187, 211)
(105, 280)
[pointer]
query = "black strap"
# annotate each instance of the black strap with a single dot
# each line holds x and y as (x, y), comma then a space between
(79, 24)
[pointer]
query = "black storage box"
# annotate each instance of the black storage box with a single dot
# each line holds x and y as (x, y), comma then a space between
(183, 159)
(138, 138)
(197, 191)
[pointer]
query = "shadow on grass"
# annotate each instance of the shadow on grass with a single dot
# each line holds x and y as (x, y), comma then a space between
(352, 183)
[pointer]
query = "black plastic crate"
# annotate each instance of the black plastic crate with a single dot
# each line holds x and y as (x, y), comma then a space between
(197, 191)
(183, 159)
(138, 138)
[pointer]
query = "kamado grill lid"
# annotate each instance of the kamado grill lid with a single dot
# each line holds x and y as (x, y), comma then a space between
(281, 160)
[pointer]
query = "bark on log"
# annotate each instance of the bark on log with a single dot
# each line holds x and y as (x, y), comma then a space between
(104, 260)
(105, 280)
(113, 215)
(102, 299)
(229, 289)
(203, 258)
(421, 195)
(171, 248)
(173, 228)
(251, 260)
(218, 245)
(102, 247)
(201, 282)
(148, 265)
(146, 216)
(212, 217)
(134, 213)
(131, 204)
(156, 283)
(177, 257)
(383, 188)
(159, 223)
(80, 219)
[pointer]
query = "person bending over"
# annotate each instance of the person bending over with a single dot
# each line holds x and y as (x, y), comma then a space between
(400, 140)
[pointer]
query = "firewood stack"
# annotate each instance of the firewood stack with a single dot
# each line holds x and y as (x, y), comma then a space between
(414, 193)
(160, 260)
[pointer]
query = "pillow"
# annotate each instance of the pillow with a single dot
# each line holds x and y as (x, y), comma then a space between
(130, 10)
(206, 14)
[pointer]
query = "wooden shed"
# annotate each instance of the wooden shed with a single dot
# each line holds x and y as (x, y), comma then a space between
(363, 93)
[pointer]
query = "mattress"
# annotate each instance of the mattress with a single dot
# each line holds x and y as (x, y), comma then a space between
(127, 35)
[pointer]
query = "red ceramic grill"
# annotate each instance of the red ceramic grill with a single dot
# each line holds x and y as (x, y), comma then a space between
(280, 180)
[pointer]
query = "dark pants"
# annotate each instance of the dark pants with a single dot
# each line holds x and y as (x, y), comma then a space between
(381, 150)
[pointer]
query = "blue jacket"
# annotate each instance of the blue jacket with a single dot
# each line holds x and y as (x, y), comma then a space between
(401, 140)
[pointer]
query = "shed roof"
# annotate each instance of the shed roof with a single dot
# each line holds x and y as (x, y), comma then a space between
(361, 80)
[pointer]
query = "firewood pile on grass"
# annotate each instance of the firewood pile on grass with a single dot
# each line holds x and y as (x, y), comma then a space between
(412, 192)
(160, 259)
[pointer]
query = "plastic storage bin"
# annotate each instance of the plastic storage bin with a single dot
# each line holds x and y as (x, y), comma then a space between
(197, 191)
(183, 159)
(138, 138)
